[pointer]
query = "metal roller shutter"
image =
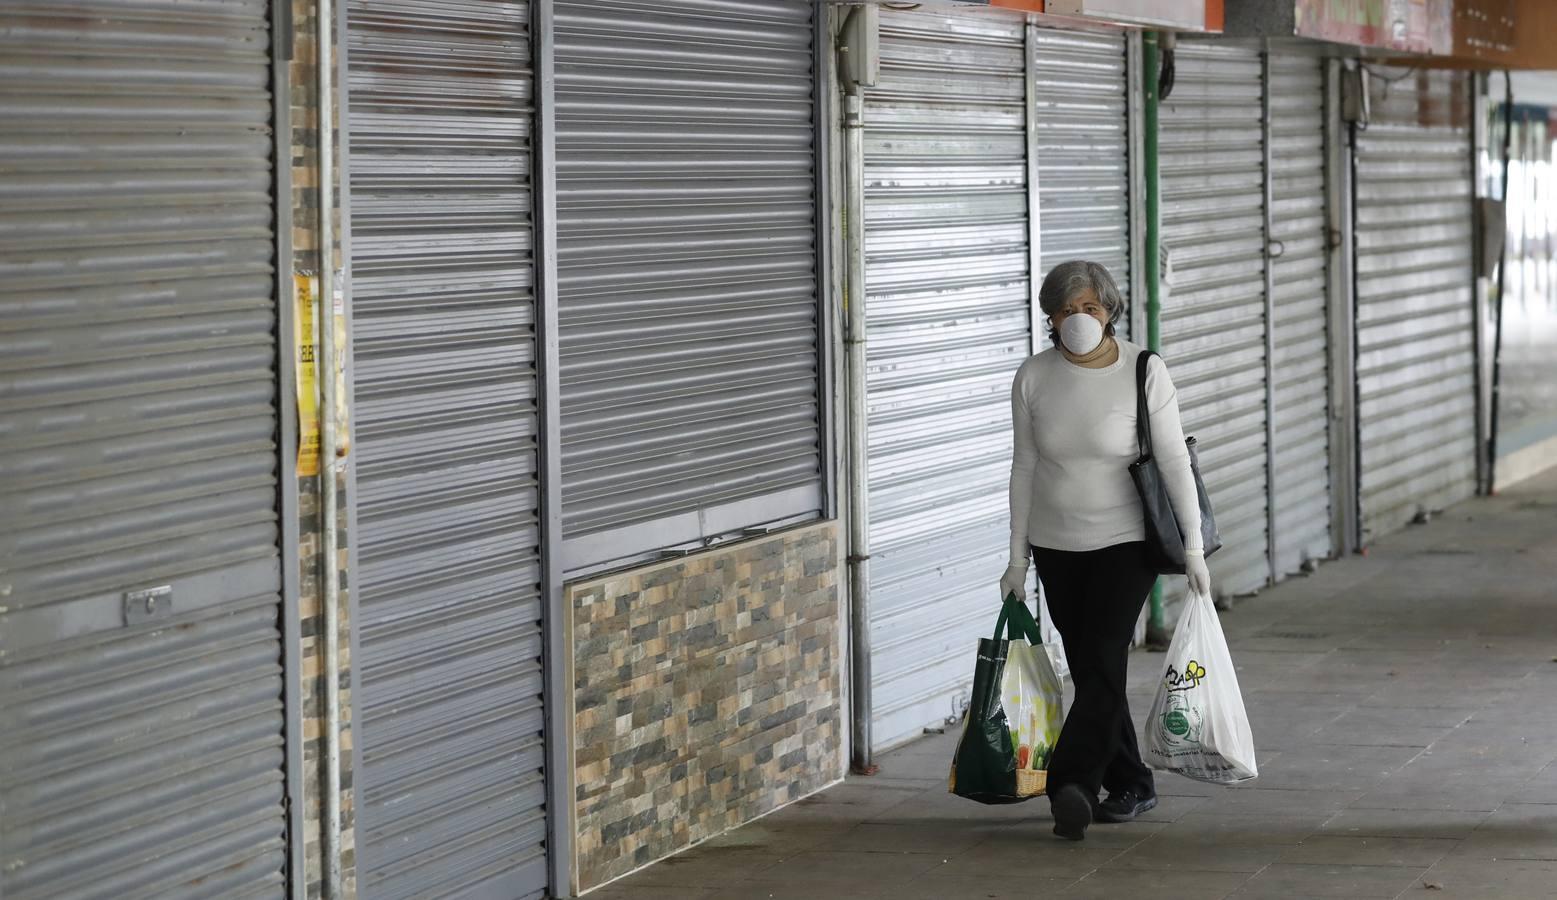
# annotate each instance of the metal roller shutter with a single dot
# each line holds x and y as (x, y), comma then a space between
(141, 746)
(1416, 360)
(686, 271)
(1213, 317)
(948, 324)
(451, 792)
(1301, 488)
(1081, 118)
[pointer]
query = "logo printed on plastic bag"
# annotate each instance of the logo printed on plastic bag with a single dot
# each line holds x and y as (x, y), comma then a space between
(1190, 678)
(1182, 723)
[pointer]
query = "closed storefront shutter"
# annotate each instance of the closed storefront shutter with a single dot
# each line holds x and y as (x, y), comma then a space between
(1213, 316)
(1416, 362)
(948, 325)
(449, 717)
(687, 273)
(1300, 390)
(141, 690)
(1081, 118)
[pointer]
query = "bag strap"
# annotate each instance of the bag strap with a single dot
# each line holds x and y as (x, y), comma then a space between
(1143, 429)
(1016, 621)
(1004, 626)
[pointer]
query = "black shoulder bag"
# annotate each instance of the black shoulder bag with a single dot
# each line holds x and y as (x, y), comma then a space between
(1164, 538)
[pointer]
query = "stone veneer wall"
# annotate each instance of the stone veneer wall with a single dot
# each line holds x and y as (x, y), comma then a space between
(707, 692)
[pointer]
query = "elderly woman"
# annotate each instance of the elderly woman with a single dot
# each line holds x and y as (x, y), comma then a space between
(1075, 511)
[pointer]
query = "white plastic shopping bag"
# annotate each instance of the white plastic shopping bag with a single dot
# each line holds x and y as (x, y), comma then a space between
(1198, 726)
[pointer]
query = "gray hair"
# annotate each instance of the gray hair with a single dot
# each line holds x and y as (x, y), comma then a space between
(1068, 279)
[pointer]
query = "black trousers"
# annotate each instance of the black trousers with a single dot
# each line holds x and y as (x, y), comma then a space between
(1095, 598)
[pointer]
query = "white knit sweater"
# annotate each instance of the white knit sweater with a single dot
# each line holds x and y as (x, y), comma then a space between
(1074, 443)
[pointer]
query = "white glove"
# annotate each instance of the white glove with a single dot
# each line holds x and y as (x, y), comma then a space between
(1014, 582)
(1195, 570)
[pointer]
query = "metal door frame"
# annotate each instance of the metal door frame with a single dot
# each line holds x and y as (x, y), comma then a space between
(1267, 162)
(1135, 154)
(1485, 464)
(557, 629)
(1035, 271)
(286, 440)
(348, 363)
(1341, 319)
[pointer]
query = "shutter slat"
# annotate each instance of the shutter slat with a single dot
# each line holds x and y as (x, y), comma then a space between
(1213, 316)
(686, 271)
(451, 793)
(138, 448)
(946, 256)
(1300, 364)
(1415, 333)
(1083, 152)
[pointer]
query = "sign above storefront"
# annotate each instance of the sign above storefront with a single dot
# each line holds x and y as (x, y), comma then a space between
(1200, 16)
(1184, 15)
(1410, 26)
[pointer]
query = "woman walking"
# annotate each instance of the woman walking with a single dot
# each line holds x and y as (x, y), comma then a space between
(1076, 513)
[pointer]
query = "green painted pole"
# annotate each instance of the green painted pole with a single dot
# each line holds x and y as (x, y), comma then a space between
(1157, 625)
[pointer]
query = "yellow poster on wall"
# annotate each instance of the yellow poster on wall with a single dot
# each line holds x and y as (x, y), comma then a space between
(305, 358)
(304, 346)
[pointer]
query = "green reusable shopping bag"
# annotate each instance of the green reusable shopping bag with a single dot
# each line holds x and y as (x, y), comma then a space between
(1014, 715)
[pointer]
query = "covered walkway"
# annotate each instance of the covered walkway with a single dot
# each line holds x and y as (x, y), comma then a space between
(1405, 706)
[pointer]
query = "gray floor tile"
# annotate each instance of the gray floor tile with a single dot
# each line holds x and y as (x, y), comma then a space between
(1474, 879)
(1046, 857)
(1434, 795)
(1334, 768)
(1400, 823)
(709, 867)
(949, 839)
(1221, 827)
(1163, 852)
(995, 885)
(634, 889)
(1177, 881)
(1515, 831)
(1284, 880)
(774, 835)
(855, 871)
(1359, 850)
(1173, 809)
(1282, 802)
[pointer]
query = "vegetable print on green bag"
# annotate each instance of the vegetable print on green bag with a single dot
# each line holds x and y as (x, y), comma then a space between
(1014, 716)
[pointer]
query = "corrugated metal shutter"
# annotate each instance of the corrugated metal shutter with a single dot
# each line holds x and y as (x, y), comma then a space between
(1081, 123)
(452, 790)
(1416, 362)
(948, 324)
(687, 272)
(1213, 317)
(140, 756)
(1301, 487)
(1083, 151)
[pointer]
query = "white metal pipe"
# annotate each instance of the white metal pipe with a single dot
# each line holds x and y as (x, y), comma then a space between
(327, 365)
(859, 492)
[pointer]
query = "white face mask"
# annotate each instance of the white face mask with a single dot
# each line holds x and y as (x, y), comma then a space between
(1081, 334)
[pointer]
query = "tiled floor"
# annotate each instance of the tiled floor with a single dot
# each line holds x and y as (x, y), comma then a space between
(1405, 709)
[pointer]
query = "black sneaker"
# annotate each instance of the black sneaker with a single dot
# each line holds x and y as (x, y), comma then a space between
(1124, 806)
(1072, 812)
